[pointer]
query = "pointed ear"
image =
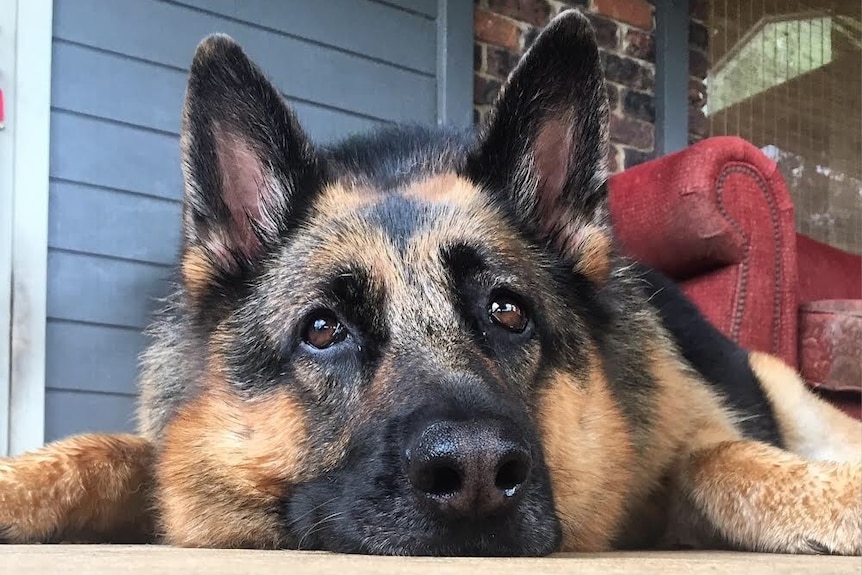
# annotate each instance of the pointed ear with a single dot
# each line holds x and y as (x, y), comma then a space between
(543, 151)
(249, 169)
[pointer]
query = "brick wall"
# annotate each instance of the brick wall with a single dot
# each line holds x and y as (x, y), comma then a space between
(625, 32)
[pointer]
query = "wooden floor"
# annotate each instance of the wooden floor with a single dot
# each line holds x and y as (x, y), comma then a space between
(116, 559)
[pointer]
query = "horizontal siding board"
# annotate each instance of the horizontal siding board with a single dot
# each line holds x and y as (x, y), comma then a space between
(311, 72)
(116, 87)
(85, 357)
(92, 151)
(427, 8)
(325, 125)
(344, 24)
(129, 226)
(70, 412)
(151, 95)
(83, 287)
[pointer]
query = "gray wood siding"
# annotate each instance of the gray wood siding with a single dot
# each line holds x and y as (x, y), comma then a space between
(118, 80)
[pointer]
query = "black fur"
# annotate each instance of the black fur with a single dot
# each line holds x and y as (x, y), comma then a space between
(539, 164)
(375, 508)
(393, 156)
(545, 146)
(722, 363)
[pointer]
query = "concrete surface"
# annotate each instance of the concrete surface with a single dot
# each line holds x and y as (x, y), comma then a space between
(119, 559)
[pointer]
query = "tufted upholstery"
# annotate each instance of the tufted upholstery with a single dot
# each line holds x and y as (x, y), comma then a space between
(718, 219)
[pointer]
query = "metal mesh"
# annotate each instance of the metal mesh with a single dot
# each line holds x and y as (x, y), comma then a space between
(786, 75)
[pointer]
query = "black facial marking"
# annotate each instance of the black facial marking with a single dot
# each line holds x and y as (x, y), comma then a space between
(463, 261)
(399, 217)
(358, 301)
(376, 505)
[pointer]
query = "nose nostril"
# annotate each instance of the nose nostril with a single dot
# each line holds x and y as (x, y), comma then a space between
(440, 479)
(510, 475)
(445, 481)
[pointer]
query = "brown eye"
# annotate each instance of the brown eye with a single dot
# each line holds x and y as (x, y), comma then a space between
(323, 331)
(507, 312)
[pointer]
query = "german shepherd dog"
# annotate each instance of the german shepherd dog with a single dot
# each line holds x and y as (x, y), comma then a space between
(426, 342)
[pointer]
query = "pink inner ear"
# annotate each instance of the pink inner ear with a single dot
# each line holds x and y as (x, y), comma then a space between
(243, 184)
(551, 156)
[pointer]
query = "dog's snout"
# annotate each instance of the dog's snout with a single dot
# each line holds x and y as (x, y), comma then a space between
(470, 469)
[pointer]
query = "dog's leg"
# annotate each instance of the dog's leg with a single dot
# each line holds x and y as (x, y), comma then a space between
(810, 426)
(761, 498)
(86, 488)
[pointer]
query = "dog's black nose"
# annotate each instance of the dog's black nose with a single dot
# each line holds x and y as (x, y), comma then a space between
(470, 469)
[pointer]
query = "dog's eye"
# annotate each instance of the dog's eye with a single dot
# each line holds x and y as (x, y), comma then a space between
(507, 312)
(323, 330)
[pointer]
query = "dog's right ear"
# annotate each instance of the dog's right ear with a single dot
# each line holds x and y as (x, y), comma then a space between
(249, 169)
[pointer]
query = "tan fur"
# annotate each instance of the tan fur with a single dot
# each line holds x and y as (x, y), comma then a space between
(448, 188)
(684, 406)
(810, 427)
(593, 256)
(197, 271)
(343, 198)
(589, 453)
(225, 464)
(754, 495)
(766, 499)
(85, 488)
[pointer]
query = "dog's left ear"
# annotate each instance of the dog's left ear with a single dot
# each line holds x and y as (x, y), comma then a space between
(543, 150)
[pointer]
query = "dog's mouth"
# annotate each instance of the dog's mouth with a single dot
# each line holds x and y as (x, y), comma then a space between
(475, 487)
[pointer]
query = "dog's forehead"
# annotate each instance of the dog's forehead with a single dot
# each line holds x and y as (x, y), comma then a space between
(415, 219)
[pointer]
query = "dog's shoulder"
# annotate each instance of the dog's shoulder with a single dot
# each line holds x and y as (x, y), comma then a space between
(722, 364)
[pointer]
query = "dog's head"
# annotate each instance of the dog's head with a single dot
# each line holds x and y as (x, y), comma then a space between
(400, 331)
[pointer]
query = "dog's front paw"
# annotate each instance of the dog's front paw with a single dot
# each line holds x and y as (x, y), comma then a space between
(87, 488)
(760, 498)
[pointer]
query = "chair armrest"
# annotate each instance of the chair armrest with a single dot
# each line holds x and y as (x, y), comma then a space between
(718, 218)
(826, 272)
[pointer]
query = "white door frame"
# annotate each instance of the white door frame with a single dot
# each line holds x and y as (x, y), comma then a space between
(25, 78)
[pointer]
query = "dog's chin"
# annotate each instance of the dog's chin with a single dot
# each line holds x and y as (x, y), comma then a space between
(349, 517)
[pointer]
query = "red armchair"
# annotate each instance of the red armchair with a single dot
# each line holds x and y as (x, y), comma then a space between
(718, 219)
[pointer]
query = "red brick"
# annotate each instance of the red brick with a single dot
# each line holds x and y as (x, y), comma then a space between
(631, 132)
(535, 12)
(640, 45)
(614, 159)
(529, 36)
(634, 157)
(635, 12)
(698, 36)
(698, 64)
(480, 114)
(628, 71)
(607, 32)
(697, 122)
(613, 96)
(495, 29)
(639, 105)
(500, 61)
(696, 93)
(484, 89)
(574, 4)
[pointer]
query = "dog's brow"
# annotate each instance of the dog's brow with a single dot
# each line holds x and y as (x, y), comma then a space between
(463, 260)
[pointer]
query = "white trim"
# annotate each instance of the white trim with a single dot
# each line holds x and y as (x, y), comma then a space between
(29, 123)
(8, 12)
